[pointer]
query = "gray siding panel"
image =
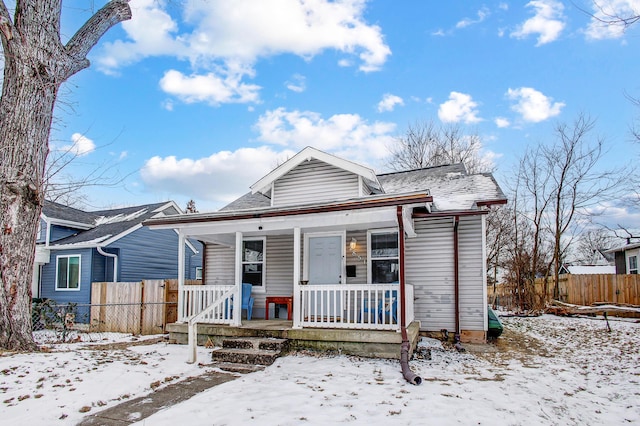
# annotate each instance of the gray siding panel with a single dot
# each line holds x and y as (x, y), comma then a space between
(472, 299)
(429, 267)
(361, 250)
(220, 265)
(315, 181)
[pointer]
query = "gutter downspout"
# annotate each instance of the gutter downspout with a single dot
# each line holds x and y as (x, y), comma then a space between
(115, 262)
(456, 283)
(409, 375)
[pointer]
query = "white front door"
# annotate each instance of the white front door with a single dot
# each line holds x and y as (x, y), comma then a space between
(325, 255)
(325, 260)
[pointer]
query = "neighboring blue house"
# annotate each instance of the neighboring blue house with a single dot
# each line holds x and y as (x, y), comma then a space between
(75, 248)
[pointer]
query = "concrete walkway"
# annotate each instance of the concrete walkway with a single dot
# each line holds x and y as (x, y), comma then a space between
(140, 408)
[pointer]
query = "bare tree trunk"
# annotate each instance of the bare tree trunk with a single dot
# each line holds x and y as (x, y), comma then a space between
(36, 64)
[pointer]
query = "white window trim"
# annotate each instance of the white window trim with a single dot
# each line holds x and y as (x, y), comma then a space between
(198, 272)
(263, 287)
(305, 250)
(629, 264)
(369, 257)
(79, 256)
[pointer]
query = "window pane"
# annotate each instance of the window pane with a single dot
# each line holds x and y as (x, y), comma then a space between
(384, 245)
(74, 272)
(384, 271)
(62, 272)
(252, 251)
(633, 262)
(252, 273)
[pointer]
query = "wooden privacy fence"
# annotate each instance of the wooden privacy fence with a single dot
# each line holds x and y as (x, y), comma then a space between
(143, 307)
(583, 290)
(589, 289)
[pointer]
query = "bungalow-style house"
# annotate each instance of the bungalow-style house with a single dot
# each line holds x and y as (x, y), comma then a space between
(347, 249)
(626, 258)
(75, 248)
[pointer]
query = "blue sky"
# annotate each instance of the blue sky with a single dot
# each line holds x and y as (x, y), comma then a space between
(200, 98)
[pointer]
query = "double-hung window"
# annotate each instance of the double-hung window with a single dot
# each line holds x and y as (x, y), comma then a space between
(68, 272)
(633, 264)
(384, 256)
(253, 255)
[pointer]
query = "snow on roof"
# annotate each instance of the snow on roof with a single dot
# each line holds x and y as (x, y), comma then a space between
(591, 269)
(102, 220)
(450, 186)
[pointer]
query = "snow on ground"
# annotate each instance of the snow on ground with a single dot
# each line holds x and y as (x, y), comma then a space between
(544, 370)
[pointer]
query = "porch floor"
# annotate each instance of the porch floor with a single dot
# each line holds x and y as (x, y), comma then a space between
(367, 343)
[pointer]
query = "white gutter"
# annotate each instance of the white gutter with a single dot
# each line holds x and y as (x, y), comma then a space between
(115, 262)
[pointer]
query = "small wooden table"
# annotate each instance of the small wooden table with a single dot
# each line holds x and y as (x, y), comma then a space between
(280, 300)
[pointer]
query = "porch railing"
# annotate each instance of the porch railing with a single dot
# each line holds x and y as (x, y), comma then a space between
(217, 298)
(356, 306)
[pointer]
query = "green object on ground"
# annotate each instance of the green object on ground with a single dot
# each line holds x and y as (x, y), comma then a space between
(495, 326)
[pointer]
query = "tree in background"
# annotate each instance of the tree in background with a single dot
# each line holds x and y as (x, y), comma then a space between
(191, 207)
(592, 240)
(36, 63)
(556, 187)
(63, 186)
(427, 145)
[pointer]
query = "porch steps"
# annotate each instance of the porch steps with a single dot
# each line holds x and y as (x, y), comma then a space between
(248, 351)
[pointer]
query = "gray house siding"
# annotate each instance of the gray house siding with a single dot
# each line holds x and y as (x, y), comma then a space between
(353, 260)
(429, 267)
(472, 273)
(315, 181)
(219, 269)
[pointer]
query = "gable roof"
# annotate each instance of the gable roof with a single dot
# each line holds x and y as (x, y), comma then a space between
(110, 225)
(59, 214)
(264, 184)
(451, 187)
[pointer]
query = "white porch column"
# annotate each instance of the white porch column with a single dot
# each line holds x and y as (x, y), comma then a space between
(237, 299)
(297, 301)
(181, 243)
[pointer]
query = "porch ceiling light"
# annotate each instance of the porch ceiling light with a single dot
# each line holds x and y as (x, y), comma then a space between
(353, 244)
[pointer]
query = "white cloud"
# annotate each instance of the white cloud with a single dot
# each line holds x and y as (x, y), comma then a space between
(223, 38)
(482, 14)
(80, 146)
(208, 88)
(298, 83)
(604, 12)
(548, 21)
(502, 122)
(152, 32)
(459, 107)
(347, 135)
(533, 105)
(389, 102)
(219, 178)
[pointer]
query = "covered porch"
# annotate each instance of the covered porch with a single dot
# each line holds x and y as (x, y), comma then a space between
(341, 264)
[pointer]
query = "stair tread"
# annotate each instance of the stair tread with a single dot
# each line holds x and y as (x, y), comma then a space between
(247, 351)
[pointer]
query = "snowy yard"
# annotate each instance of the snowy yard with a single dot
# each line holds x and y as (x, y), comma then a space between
(545, 370)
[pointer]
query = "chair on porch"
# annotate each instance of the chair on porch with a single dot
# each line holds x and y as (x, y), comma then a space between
(386, 306)
(247, 300)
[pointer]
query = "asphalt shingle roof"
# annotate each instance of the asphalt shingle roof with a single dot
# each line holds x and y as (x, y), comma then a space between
(110, 223)
(451, 186)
